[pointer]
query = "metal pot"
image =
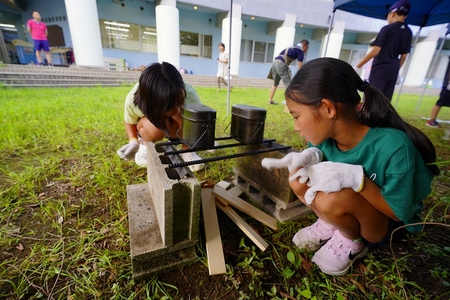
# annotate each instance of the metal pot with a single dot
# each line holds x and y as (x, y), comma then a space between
(199, 125)
(247, 123)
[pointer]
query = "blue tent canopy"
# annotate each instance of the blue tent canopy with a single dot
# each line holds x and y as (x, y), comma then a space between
(423, 12)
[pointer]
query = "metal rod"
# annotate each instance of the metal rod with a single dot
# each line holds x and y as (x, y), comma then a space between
(206, 160)
(213, 148)
(329, 33)
(432, 69)
(178, 142)
(224, 138)
(230, 56)
(408, 62)
(169, 143)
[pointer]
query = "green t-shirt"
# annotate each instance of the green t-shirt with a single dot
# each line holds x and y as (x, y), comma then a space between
(391, 161)
(132, 113)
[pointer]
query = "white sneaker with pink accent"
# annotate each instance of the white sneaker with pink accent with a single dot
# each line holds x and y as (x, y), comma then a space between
(314, 236)
(338, 254)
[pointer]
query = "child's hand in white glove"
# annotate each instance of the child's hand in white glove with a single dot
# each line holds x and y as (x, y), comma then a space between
(128, 151)
(329, 177)
(294, 160)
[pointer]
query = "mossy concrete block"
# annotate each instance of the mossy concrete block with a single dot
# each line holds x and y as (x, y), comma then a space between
(149, 255)
(270, 203)
(274, 182)
(145, 236)
(270, 190)
(176, 201)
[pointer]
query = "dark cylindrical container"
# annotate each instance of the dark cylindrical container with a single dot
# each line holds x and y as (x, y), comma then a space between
(247, 123)
(199, 126)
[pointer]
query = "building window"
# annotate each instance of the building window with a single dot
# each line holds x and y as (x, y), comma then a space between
(195, 44)
(127, 36)
(253, 51)
(148, 39)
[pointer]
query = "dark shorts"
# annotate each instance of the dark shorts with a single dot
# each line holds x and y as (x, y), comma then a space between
(444, 98)
(41, 45)
(387, 87)
(398, 234)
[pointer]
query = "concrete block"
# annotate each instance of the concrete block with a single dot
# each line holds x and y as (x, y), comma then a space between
(176, 201)
(270, 190)
(270, 203)
(149, 255)
(274, 181)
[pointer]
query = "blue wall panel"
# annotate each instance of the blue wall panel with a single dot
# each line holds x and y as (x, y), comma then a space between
(140, 12)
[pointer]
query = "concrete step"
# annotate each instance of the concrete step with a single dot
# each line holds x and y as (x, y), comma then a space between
(12, 75)
(56, 75)
(40, 85)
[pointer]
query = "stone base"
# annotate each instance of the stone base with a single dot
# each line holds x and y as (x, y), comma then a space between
(148, 253)
(279, 209)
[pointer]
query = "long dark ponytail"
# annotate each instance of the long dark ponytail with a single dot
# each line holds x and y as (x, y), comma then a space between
(337, 81)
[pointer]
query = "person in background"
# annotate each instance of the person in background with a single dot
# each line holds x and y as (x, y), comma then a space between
(222, 71)
(280, 66)
(39, 33)
(444, 100)
(393, 41)
(365, 173)
(153, 112)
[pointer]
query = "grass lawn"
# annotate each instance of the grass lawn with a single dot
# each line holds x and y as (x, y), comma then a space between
(63, 211)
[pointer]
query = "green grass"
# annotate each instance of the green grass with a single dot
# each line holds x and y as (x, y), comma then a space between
(63, 207)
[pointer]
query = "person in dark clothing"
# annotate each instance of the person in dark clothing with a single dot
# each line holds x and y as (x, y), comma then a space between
(393, 41)
(444, 100)
(280, 66)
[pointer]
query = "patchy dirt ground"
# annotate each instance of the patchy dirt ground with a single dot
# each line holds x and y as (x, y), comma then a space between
(420, 257)
(193, 281)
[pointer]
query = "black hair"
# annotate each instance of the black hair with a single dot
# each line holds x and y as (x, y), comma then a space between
(304, 41)
(336, 80)
(401, 13)
(222, 44)
(34, 12)
(161, 88)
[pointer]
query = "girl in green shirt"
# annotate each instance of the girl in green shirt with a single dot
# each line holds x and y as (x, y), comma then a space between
(378, 168)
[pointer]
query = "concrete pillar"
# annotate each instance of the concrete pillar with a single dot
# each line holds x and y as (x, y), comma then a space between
(333, 49)
(421, 59)
(21, 29)
(84, 29)
(285, 34)
(236, 34)
(168, 32)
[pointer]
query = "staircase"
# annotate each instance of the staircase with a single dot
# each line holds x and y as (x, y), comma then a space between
(15, 76)
(43, 76)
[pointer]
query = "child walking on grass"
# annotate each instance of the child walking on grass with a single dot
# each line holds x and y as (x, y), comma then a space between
(153, 110)
(377, 168)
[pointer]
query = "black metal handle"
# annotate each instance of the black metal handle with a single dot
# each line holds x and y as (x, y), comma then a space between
(206, 160)
(215, 147)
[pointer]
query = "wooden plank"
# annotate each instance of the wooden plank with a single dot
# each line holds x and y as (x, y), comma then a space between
(244, 206)
(207, 183)
(249, 231)
(214, 249)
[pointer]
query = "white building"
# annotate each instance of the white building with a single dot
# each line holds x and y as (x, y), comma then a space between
(186, 33)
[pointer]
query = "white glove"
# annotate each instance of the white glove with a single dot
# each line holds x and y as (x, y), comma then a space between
(329, 177)
(128, 151)
(294, 160)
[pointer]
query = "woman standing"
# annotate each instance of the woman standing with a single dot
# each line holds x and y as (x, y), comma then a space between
(222, 71)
